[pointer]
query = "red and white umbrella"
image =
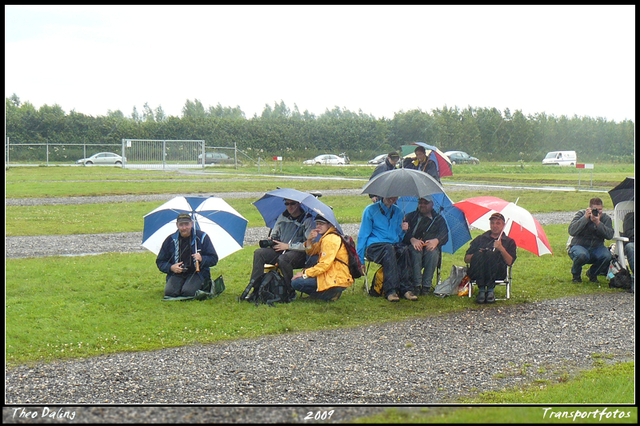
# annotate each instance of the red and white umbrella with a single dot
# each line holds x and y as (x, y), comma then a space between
(520, 224)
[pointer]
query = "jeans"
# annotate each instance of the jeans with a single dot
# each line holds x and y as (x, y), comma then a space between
(394, 261)
(310, 287)
(629, 253)
(423, 265)
(183, 285)
(599, 257)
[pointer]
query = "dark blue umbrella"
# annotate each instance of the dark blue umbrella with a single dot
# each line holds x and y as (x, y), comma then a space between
(624, 191)
(457, 225)
(271, 205)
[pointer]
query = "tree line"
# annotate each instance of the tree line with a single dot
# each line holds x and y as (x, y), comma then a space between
(486, 133)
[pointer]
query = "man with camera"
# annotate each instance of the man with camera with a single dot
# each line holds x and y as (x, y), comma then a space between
(285, 247)
(186, 257)
(588, 229)
(488, 256)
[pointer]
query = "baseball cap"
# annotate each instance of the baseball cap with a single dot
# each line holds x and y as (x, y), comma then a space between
(497, 215)
(183, 217)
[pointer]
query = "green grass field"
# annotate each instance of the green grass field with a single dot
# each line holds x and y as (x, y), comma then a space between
(69, 307)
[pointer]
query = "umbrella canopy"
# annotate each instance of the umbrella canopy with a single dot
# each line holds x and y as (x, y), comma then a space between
(443, 163)
(457, 225)
(520, 224)
(403, 182)
(225, 226)
(271, 205)
(624, 191)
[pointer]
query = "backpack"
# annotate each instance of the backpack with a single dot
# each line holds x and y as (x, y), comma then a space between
(355, 266)
(269, 288)
(376, 285)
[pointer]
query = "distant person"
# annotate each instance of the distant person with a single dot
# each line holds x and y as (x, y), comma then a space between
(588, 229)
(424, 163)
(628, 231)
(427, 232)
(488, 256)
(327, 279)
(178, 256)
(286, 248)
(388, 164)
(379, 240)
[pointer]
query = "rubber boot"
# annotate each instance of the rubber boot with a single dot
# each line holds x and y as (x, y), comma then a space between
(482, 295)
(491, 297)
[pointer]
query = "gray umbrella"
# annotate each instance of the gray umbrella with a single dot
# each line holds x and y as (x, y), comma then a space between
(403, 183)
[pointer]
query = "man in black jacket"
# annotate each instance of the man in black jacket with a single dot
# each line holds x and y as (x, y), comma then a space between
(388, 164)
(427, 233)
(488, 256)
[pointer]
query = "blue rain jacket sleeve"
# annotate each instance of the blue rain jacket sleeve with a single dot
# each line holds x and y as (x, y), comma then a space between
(380, 224)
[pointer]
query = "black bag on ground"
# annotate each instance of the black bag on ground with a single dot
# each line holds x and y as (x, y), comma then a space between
(269, 288)
(622, 280)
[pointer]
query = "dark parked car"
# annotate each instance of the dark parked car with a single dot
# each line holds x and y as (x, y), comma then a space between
(461, 157)
(216, 158)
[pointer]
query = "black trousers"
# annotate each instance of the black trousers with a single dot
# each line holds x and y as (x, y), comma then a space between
(287, 261)
(486, 267)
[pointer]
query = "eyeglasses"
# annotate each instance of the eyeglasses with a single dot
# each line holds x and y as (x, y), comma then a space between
(293, 203)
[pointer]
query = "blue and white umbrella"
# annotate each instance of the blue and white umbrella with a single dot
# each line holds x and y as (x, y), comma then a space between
(224, 225)
(271, 205)
(456, 221)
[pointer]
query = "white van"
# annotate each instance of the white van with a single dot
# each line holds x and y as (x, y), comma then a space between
(560, 158)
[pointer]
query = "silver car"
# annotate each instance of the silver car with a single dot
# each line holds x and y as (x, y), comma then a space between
(379, 159)
(329, 159)
(102, 158)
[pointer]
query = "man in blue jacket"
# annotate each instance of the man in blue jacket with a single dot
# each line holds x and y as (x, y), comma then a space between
(186, 257)
(380, 239)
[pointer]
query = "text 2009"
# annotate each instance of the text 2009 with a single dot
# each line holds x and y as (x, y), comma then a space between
(319, 415)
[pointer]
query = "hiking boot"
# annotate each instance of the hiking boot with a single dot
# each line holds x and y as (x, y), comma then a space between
(491, 297)
(482, 296)
(592, 278)
(393, 297)
(424, 291)
(576, 279)
(410, 296)
(332, 294)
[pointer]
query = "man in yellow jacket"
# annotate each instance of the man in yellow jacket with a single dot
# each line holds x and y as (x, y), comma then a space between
(328, 278)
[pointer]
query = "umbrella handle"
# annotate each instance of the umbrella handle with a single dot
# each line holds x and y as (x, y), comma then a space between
(197, 266)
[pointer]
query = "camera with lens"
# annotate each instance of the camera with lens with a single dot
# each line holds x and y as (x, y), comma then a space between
(595, 212)
(266, 243)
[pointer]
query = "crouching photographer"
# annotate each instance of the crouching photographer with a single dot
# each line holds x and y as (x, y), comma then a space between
(293, 226)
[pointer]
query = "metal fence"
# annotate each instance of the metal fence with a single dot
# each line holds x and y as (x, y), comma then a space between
(53, 154)
(163, 154)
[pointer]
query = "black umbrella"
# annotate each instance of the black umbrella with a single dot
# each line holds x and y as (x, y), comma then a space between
(624, 191)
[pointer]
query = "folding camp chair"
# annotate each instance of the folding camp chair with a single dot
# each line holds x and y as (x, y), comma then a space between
(505, 282)
(369, 261)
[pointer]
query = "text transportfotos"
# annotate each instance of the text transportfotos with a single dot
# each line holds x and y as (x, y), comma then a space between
(597, 414)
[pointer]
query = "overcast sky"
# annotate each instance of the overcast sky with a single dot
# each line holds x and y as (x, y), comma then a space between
(562, 60)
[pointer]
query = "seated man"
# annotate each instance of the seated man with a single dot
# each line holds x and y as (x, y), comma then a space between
(488, 256)
(628, 231)
(588, 229)
(427, 232)
(424, 163)
(388, 164)
(178, 256)
(380, 235)
(289, 233)
(328, 278)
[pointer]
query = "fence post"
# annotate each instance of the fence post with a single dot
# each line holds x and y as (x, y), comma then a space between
(47, 147)
(164, 155)
(8, 150)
